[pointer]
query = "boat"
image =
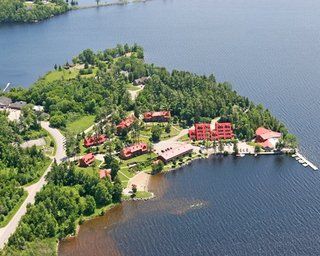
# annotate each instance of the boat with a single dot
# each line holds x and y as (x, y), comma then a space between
(240, 155)
(305, 164)
(301, 161)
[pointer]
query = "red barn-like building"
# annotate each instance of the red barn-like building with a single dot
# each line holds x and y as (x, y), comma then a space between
(94, 140)
(160, 116)
(87, 160)
(204, 131)
(105, 173)
(134, 150)
(125, 123)
(267, 138)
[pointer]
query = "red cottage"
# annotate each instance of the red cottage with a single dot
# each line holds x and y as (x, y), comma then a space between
(105, 173)
(160, 116)
(134, 150)
(87, 160)
(94, 141)
(267, 138)
(204, 131)
(125, 123)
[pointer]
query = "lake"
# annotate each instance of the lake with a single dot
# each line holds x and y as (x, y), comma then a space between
(269, 51)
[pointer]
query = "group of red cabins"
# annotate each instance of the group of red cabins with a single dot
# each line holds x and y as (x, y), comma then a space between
(204, 131)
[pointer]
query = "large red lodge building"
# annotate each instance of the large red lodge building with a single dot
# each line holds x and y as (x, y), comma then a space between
(204, 131)
(134, 150)
(94, 140)
(159, 116)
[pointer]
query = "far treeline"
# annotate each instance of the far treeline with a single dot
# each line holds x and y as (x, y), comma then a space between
(101, 88)
(21, 11)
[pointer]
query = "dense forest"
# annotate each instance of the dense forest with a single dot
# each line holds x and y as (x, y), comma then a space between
(19, 11)
(69, 196)
(17, 166)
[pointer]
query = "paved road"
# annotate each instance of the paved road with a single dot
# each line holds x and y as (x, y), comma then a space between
(60, 155)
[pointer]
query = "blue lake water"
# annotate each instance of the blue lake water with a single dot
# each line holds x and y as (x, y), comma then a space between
(269, 51)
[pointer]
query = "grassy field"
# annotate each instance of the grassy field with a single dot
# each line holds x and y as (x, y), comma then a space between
(146, 132)
(14, 210)
(91, 170)
(132, 87)
(57, 75)
(80, 125)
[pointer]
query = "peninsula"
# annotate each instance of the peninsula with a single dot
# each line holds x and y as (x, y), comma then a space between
(120, 120)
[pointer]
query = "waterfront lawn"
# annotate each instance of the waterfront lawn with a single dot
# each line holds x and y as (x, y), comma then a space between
(63, 74)
(80, 124)
(9, 216)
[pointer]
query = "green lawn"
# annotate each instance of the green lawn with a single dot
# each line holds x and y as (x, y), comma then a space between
(57, 75)
(138, 159)
(8, 217)
(146, 132)
(91, 170)
(132, 87)
(80, 124)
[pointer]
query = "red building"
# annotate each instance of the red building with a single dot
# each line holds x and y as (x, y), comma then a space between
(267, 138)
(105, 173)
(87, 160)
(159, 116)
(204, 131)
(125, 123)
(94, 140)
(134, 150)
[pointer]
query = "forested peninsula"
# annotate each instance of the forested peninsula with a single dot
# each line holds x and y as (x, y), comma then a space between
(103, 96)
(22, 11)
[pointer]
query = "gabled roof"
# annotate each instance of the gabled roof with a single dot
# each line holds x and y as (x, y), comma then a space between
(266, 134)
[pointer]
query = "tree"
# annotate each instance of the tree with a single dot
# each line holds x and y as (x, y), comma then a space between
(134, 190)
(90, 205)
(235, 147)
(157, 167)
(156, 132)
(117, 190)
(220, 146)
(102, 195)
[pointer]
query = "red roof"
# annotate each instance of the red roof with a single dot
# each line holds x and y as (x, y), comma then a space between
(134, 149)
(94, 140)
(157, 114)
(126, 123)
(266, 134)
(105, 173)
(87, 159)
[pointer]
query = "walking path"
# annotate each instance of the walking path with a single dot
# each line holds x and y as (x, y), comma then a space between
(32, 190)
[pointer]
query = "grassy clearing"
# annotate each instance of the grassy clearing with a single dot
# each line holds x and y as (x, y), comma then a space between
(63, 74)
(80, 124)
(91, 170)
(139, 195)
(132, 87)
(139, 159)
(13, 211)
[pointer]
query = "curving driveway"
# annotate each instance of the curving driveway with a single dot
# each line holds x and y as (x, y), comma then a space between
(32, 190)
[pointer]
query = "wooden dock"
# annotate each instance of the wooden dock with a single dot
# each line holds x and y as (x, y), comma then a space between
(305, 162)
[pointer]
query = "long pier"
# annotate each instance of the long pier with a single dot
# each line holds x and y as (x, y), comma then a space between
(304, 161)
(8, 84)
